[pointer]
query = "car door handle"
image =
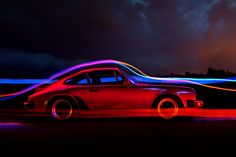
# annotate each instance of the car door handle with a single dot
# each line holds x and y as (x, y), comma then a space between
(94, 90)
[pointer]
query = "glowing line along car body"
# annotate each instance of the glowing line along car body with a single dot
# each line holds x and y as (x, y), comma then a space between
(109, 90)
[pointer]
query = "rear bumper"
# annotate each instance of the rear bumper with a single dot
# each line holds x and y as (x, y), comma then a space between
(27, 105)
(195, 103)
(198, 103)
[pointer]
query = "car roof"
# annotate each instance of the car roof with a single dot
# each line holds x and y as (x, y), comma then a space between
(90, 70)
(97, 69)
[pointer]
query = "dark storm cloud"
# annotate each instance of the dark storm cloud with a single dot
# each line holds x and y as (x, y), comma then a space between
(158, 36)
(20, 64)
(219, 47)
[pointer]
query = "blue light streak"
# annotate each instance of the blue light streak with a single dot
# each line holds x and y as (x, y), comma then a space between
(139, 77)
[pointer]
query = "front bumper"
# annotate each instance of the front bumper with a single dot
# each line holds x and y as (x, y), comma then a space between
(195, 103)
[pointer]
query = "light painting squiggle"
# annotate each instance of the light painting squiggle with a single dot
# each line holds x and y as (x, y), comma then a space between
(139, 76)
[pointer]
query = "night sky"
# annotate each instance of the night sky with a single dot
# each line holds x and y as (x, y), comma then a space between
(40, 37)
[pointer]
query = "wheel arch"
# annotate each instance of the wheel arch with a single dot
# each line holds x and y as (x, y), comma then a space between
(167, 95)
(74, 102)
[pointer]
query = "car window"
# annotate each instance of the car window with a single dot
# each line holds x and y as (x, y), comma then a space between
(106, 77)
(119, 78)
(81, 79)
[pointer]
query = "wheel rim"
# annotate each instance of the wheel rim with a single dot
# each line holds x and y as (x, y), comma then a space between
(62, 109)
(167, 108)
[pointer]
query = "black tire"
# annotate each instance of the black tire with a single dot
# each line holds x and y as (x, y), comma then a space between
(167, 106)
(61, 109)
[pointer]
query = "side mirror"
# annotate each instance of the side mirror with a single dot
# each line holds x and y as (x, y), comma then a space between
(127, 82)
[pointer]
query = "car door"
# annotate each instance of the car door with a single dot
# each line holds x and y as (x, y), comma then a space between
(79, 86)
(108, 91)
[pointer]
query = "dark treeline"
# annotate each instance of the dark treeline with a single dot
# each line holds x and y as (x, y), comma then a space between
(211, 73)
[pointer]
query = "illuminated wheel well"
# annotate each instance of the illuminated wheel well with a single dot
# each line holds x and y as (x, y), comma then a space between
(172, 96)
(70, 99)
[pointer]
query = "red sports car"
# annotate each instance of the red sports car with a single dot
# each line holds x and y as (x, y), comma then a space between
(102, 91)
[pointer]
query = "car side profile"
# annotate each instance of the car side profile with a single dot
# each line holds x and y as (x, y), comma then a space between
(109, 90)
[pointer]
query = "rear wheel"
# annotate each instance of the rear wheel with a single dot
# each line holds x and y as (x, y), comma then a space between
(61, 109)
(167, 107)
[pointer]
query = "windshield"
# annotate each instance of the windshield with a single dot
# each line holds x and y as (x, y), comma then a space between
(130, 77)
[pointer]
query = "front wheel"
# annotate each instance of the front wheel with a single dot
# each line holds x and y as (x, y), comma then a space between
(61, 109)
(167, 107)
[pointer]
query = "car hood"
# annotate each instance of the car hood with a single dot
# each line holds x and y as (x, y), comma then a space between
(166, 86)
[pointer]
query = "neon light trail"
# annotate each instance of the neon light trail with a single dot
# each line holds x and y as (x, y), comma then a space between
(140, 76)
(23, 81)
